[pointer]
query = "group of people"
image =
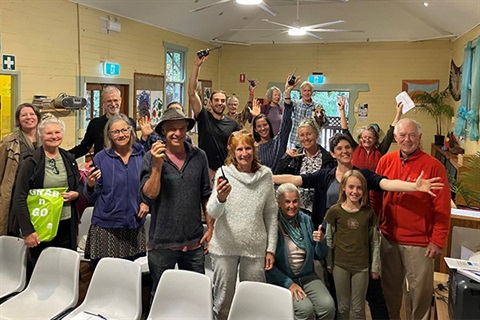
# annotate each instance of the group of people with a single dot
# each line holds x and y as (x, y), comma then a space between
(321, 211)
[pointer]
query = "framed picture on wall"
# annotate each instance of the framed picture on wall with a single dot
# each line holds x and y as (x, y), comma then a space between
(414, 87)
(149, 96)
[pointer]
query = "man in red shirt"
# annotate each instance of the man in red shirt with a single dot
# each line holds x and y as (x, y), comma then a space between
(414, 225)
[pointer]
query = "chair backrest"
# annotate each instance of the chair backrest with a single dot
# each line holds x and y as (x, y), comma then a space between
(13, 265)
(182, 294)
(115, 290)
(53, 287)
(85, 222)
(56, 271)
(259, 301)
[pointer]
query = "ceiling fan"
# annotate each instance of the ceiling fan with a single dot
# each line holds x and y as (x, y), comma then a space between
(297, 30)
(261, 4)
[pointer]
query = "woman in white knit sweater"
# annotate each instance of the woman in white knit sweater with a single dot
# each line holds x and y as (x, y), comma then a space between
(245, 212)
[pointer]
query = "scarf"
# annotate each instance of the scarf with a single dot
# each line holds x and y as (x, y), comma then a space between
(294, 233)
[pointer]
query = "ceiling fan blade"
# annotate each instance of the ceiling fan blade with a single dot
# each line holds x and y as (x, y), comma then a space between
(324, 24)
(209, 5)
(334, 30)
(314, 35)
(239, 30)
(277, 23)
(267, 8)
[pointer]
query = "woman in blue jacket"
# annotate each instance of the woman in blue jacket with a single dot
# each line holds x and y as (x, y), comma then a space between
(113, 183)
(298, 245)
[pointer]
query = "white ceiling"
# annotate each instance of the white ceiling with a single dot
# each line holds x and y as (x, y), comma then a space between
(382, 20)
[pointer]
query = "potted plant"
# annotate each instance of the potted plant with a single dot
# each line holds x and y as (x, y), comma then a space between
(437, 106)
(467, 182)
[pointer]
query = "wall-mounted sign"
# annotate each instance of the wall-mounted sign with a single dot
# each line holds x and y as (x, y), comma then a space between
(8, 62)
(316, 79)
(111, 69)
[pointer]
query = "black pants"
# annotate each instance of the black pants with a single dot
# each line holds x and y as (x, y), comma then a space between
(376, 301)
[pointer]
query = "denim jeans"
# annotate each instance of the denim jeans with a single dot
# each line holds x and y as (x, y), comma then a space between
(160, 260)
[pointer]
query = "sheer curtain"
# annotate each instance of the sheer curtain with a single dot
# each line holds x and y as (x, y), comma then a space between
(472, 116)
(462, 110)
(467, 114)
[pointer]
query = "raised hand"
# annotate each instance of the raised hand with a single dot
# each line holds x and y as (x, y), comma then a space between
(427, 185)
(256, 109)
(158, 153)
(145, 126)
(289, 87)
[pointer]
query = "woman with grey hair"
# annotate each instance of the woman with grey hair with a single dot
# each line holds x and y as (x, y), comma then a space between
(13, 149)
(48, 167)
(272, 109)
(112, 186)
(298, 244)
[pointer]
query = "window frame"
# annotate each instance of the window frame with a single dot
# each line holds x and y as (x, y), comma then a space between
(169, 49)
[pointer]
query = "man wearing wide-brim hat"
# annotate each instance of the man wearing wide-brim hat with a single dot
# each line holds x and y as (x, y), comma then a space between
(174, 183)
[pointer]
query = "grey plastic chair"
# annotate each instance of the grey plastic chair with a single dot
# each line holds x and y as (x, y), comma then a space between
(115, 291)
(143, 261)
(260, 301)
(182, 294)
(13, 265)
(83, 227)
(53, 287)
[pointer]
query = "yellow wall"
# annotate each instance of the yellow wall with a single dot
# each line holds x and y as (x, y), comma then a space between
(57, 41)
(457, 56)
(54, 48)
(382, 65)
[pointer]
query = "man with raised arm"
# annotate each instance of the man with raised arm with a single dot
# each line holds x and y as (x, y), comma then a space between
(214, 128)
(414, 225)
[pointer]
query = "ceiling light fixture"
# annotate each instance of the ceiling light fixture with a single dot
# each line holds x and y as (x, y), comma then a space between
(297, 31)
(425, 4)
(249, 2)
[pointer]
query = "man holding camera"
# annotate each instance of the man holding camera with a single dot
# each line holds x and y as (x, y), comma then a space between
(214, 128)
(175, 185)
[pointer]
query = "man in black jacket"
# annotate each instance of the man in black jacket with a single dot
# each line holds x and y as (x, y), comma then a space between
(111, 102)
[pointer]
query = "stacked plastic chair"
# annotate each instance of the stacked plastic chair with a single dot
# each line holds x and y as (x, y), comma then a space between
(13, 265)
(115, 291)
(52, 290)
(261, 301)
(182, 295)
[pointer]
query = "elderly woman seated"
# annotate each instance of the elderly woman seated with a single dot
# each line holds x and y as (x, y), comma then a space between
(298, 245)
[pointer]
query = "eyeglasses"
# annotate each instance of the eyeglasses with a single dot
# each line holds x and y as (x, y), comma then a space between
(124, 131)
(53, 163)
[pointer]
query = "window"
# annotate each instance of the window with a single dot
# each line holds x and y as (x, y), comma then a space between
(174, 73)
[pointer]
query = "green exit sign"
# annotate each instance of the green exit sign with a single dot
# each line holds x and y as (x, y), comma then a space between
(111, 69)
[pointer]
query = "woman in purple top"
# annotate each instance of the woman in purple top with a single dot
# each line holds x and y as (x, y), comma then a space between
(272, 109)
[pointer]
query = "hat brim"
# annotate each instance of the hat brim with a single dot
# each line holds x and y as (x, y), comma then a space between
(190, 124)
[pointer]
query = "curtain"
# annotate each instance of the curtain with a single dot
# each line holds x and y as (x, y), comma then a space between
(472, 114)
(463, 109)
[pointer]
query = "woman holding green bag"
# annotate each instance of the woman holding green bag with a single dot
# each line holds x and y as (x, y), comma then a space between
(47, 169)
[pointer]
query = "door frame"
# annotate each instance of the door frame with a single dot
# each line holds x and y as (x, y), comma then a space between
(82, 89)
(15, 94)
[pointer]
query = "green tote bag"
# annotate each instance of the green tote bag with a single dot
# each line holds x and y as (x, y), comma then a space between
(45, 207)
